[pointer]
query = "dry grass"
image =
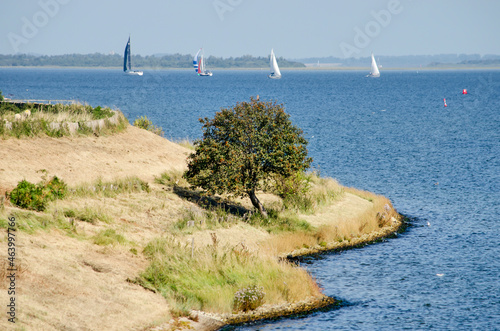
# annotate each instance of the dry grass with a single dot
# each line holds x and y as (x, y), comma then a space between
(53, 117)
(337, 223)
(79, 253)
(207, 278)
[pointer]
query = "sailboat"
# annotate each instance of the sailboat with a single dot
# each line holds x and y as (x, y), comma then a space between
(275, 70)
(127, 61)
(199, 65)
(374, 72)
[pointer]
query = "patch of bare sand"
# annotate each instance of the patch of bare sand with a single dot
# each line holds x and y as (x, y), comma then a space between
(134, 152)
(70, 284)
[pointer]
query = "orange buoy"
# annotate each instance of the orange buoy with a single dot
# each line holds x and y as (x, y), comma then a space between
(445, 103)
(464, 91)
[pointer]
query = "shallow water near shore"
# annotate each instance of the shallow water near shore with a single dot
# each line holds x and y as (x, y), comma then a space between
(392, 136)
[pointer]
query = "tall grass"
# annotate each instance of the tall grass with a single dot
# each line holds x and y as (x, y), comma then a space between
(186, 142)
(144, 123)
(307, 192)
(109, 237)
(207, 278)
(31, 222)
(378, 216)
(52, 120)
(110, 189)
(88, 214)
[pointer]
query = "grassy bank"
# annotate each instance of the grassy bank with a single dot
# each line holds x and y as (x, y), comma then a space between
(194, 262)
(158, 241)
(34, 120)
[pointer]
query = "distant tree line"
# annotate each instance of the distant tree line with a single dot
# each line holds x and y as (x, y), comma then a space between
(138, 61)
(404, 61)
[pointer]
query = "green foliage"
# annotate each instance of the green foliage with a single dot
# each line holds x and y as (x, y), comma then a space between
(144, 123)
(304, 192)
(171, 178)
(207, 278)
(36, 196)
(248, 298)
(100, 113)
(244, 147)
(278, 223)
(296, 184)
(43, 116)
(109, 237)
(116, 60)
(1, 95)
(88, 214)
(111, 189)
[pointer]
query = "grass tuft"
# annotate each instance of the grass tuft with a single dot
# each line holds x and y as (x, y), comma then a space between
(208, 278)
(109, 237)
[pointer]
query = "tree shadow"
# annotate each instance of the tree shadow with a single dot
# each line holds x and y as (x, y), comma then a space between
(208, 202)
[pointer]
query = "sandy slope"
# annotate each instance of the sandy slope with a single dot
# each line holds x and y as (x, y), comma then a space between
(134, 152)
(70, 284)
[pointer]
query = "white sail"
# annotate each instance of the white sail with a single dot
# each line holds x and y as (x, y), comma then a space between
(275, 70)
(374, 72)
(202, 66)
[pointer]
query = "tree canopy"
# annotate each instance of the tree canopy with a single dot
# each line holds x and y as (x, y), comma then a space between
(243, 147)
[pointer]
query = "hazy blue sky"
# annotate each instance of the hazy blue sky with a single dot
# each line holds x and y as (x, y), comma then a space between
(294, 28)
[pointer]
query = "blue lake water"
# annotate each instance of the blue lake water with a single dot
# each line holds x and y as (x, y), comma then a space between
(390, 135)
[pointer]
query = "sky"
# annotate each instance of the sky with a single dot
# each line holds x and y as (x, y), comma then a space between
(293, 28)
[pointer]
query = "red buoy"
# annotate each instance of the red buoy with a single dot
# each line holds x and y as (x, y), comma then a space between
(464, 91)
(445, 103)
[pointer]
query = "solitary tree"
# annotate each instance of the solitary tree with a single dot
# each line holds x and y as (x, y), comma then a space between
(243, 147)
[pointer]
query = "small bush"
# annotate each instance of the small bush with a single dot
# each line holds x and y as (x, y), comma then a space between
(36, 196)
(144, 123)
(1, 95)
(88, 214)
(109, 237)
(248, 298)
(171, 178)
(100, 113)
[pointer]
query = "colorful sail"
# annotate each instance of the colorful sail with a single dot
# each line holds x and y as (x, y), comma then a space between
(195, 62)
(199, 65)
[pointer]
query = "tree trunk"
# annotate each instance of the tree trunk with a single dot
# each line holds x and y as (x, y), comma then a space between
(256, 203)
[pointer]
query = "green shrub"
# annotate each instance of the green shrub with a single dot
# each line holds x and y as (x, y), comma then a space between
(36, 196)
(248, 298)
(144, 123)
(109, 237)
(88, 214)
(1, 95)
(100, 113)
